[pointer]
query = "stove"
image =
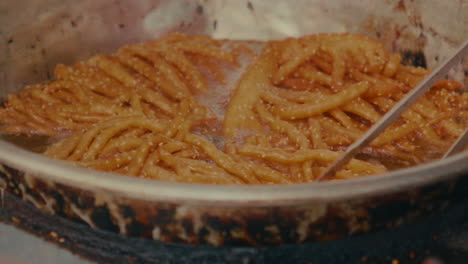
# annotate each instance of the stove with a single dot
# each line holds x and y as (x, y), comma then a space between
(29, 236)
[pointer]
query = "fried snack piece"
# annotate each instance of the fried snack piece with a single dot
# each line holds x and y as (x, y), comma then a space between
(239, 114)
(324, 91)
(147, 79)
(137, 146)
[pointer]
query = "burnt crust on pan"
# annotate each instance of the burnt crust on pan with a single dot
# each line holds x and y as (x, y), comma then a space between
(409, 244)
(185, 222)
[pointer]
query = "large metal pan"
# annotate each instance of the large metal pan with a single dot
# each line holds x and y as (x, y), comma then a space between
(36, 35)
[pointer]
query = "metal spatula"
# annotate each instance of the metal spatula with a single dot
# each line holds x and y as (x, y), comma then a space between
(395, 112)
(459, 145)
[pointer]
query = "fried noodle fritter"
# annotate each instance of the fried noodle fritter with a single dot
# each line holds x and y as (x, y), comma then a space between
(298, 104)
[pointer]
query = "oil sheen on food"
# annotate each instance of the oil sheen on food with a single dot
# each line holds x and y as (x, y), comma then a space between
(189, 108)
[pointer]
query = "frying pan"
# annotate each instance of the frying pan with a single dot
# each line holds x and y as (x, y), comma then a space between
(36, 35)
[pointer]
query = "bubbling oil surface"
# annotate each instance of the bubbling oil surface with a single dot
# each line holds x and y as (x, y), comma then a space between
(33, 143)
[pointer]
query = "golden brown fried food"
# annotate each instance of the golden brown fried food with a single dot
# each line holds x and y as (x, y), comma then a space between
(147, 79)
(162, 110)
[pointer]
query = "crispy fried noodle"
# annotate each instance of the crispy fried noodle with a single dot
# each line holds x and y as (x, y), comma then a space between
(198, 110)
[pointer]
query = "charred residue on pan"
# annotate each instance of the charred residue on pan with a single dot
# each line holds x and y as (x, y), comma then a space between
(225, 226)
(262, 226)
(102, 219)
(414, 58)
(135, 229)
(59, 200)
(250, 6)
(127, 211)
(386, 212)
(282, 221)
(79, 198)
(10, 176)
(165, 215)
(200, 10)
(331, 228)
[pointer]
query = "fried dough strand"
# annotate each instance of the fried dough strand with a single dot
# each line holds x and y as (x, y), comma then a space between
(150, 79)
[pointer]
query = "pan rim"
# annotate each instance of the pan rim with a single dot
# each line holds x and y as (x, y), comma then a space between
(122, 186)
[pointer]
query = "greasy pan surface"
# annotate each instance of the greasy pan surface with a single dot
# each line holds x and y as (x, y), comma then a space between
(410, 244)
(217, 215)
